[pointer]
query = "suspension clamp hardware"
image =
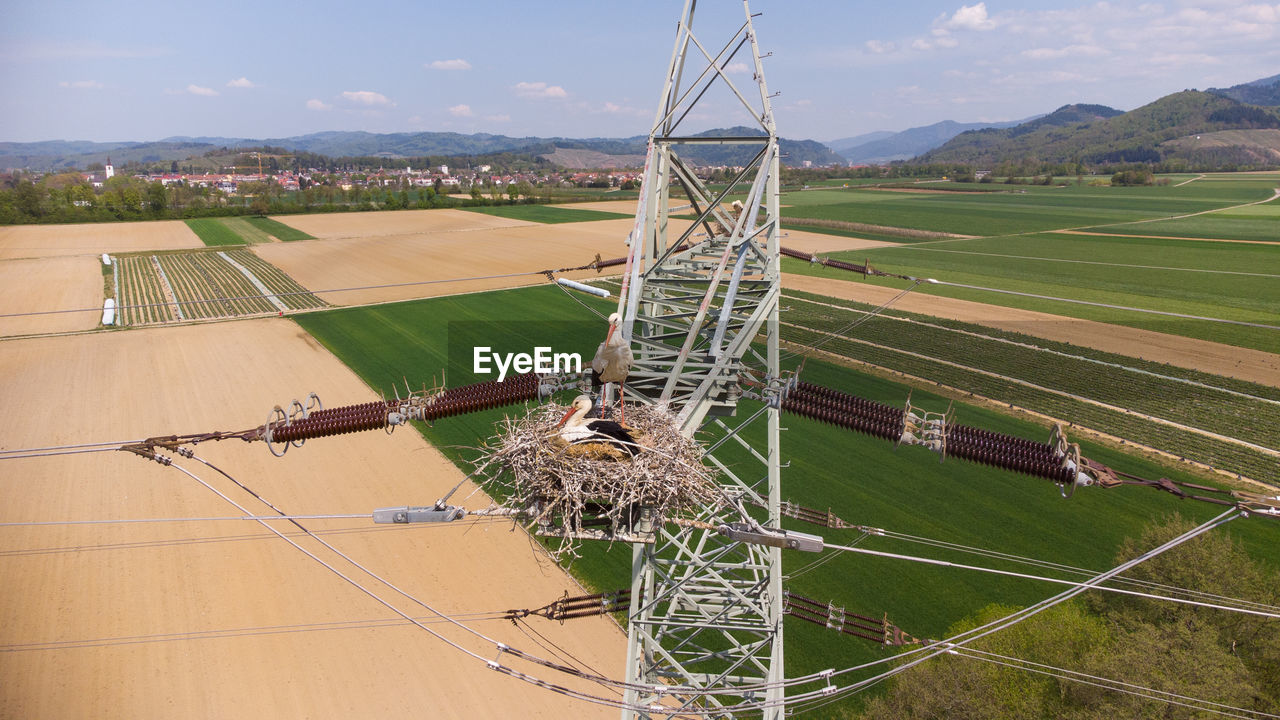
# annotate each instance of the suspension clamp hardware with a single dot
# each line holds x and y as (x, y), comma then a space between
(785, 539)
(427, 514)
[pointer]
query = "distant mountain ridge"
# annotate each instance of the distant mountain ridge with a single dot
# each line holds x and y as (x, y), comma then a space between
(58, 154)
(1098, 135)
(911, 142)
(1259, 92)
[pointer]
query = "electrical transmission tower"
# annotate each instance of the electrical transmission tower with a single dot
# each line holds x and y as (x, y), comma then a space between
(707, 609)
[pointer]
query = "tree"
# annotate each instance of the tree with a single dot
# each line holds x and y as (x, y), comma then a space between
(1212, 563)
(157, 198)
(960, 687)
(1218, 656)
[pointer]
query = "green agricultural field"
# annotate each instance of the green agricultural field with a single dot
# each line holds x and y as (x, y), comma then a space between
(214, 232)
(1254, 222)
(861, 479)
(1235, 282)
(1009, 209)
(243, 231)
(272, 228)
(546, 213)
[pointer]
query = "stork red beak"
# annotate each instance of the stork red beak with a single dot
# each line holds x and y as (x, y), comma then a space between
(609, 337)
(565, 419)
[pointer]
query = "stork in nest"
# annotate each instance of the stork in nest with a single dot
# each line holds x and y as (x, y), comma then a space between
(576, 429)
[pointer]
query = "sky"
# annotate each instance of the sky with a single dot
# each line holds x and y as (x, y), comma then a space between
(140, 70)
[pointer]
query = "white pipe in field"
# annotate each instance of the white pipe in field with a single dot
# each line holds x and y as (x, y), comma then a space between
(598, 292)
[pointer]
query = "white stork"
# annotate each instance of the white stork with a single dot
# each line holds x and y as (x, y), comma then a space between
(575, 428)
(613, 360)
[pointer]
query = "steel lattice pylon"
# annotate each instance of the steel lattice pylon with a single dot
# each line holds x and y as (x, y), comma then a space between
(707, 611)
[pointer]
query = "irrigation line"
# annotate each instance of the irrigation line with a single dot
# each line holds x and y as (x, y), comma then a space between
(1037, 348)
(1108, 306)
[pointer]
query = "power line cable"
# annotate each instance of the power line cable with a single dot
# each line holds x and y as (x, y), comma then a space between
(1114, 685)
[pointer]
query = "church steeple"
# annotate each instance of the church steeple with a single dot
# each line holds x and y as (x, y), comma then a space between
(109, 171)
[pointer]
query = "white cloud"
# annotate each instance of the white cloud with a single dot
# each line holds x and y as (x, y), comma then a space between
(971, 17)
(197, 90)
(738, 68)
(612, 107)
(1068, 51)
(461, 111)
(457, 64)
(539, 90)
(314, 104)
(81, 84)
(880, 48)
(241, 82)
(367, 97)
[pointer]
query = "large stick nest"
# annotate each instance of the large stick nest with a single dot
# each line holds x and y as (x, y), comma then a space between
(559, 482)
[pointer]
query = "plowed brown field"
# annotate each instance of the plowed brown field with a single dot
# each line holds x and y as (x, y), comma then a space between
(61, 283)
(30, 241)
(443, 255)
(205, 618)
(400, 222)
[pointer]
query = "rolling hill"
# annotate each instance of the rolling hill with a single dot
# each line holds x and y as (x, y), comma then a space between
(1259, 92)
(612, 152)
(1086, 134)
(909, 143)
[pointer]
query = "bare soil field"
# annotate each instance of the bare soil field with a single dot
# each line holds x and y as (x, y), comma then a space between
(365, 253)
(424, 256)
(812, 242)
(1241, 363)
(205, 618)
(58, 283)
(30, 241)
(398, 222)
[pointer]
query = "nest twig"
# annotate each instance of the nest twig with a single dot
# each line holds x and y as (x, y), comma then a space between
(562, 484)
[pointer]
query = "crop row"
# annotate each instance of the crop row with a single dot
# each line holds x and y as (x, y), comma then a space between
(295, 296)
(205, 286)
(1045, 344)
(1183, 443)
(1227, 414)
(142, 298)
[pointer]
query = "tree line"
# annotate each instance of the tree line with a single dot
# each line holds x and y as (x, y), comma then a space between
(1203, 653)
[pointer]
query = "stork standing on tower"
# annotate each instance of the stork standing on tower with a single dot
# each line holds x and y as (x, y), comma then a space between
(613, 361)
